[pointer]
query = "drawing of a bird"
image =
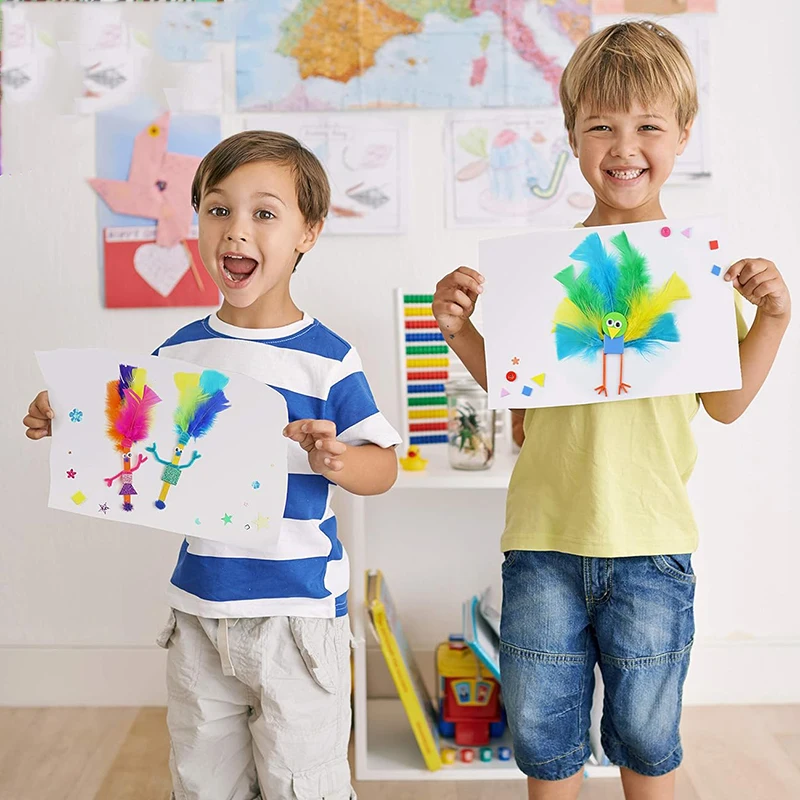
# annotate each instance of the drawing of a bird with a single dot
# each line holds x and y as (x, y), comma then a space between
(611, 306)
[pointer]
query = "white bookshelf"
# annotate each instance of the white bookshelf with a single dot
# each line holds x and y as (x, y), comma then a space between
(385, 749)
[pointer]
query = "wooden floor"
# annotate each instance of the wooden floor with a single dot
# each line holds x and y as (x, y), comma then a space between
(732, 753)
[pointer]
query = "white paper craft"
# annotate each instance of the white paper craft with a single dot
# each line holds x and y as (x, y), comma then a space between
(220, 435)
(366, 160)
(512, 169)
(610, 313)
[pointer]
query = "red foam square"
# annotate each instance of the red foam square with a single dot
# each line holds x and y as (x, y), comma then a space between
(714, 244)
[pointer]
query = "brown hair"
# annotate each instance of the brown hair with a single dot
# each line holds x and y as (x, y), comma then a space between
(310, 180)
(626, 63)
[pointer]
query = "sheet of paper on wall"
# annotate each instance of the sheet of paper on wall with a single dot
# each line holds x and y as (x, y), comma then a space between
(146, 161)
(29, 53)
(693, 30)
(296, 56)
(138, 273)
(618, 312)
(366, 160)
(167, 444)
(114, 57)
(512, 169)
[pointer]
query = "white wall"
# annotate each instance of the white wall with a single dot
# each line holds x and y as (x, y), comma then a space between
(81, 601)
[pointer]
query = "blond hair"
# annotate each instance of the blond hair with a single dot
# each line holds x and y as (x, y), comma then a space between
(310, 180)
(627, 63)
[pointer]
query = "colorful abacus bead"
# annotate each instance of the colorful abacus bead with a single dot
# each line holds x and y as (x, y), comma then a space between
(448, 755)
(504, 753)
(486, 754)
(467, 755)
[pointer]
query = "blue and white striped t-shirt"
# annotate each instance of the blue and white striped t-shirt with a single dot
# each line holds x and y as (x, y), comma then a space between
(306, 572)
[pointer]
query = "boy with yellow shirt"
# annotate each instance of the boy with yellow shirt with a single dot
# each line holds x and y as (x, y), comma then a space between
(599, 529)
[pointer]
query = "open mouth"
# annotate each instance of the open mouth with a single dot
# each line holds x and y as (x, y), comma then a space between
(237, 269)
(625, 174)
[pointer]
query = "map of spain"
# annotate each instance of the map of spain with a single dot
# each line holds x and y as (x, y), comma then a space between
(318, 55)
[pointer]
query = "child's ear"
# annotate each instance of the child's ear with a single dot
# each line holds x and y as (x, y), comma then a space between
(684, 138)
(310, 238)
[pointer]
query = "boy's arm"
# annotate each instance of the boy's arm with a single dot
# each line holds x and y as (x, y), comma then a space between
(453, 304)
(759, 282)
(469, 346)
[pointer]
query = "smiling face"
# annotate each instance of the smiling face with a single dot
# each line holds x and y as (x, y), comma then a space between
(251, 233)
(626, 157)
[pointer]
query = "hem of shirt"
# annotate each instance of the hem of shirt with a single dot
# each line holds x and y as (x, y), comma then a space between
(579, 547)
(325, 608)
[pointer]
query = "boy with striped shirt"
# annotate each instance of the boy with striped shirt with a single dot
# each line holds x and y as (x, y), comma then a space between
(258, 640)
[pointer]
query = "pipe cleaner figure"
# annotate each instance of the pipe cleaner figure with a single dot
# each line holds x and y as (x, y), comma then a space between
(200, 400)
(129, 413)
(610, 306)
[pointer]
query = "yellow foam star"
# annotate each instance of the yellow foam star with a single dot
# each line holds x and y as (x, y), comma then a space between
(261, 522)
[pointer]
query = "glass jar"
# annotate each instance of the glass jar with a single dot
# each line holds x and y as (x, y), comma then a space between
(470, 425)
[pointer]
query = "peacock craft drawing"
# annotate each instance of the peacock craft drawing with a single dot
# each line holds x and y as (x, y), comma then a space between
(129, 413)
(200, 401)
(611, 306)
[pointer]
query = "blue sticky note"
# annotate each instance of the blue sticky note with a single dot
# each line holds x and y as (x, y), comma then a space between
(715, 270)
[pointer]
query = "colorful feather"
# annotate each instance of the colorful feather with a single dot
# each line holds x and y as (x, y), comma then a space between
(200, 400)
(582, 342)
(136, 417)
(665, 329)
(125, 379)
(634, 278)
(601, 272)
(113, 408)
(647, 308)
(189, 394)
(583, 294)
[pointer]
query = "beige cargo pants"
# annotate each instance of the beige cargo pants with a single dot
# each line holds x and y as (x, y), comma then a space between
(258, 709)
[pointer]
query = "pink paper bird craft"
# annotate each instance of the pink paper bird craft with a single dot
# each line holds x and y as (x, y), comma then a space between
(158, 186)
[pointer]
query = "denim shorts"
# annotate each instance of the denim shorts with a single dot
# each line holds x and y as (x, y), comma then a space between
(563, 614)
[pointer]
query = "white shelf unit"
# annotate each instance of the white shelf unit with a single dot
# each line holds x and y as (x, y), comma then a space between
(385, 748)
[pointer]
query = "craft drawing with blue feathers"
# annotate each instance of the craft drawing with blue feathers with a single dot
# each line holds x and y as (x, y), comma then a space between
(200, 400)
(612, 307)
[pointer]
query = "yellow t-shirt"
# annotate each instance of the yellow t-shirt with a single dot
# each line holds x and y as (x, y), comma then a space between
(607, 479)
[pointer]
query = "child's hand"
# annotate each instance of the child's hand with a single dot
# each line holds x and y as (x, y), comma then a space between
(455, 299)
(759, 281)
(39, 416)
(318, 438)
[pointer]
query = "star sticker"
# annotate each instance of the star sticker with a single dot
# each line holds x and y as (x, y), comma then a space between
(261, 522)
(71, 473)
(227, 519)
(515, 361)
(104, 508)
(158, 186)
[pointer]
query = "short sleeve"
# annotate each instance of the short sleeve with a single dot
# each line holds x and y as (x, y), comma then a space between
(351, 405)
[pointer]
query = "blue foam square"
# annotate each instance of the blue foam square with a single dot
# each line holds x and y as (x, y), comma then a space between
(527, 391)
(715, 270)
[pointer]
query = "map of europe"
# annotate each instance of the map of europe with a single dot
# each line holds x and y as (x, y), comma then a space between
(333, 55)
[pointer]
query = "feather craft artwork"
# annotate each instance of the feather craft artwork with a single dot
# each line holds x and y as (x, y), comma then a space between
(200, 400)
(130, 410)
(611, 306)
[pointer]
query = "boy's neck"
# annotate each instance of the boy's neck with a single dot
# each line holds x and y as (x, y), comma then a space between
(606, 215)
(267, 312)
